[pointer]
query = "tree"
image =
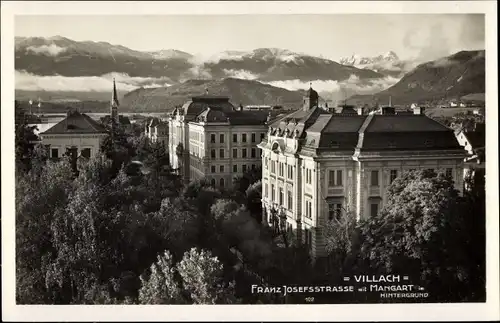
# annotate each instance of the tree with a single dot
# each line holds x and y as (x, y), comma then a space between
(254, 200)
(40, 195)
(251, 176)
(161, 287)
(339, 233)
(24, 140)
(202, 277)
(420, 232)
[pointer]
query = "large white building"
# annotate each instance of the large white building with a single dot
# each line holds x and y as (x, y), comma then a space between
(209, 138)
(77, 132)
(317, 163)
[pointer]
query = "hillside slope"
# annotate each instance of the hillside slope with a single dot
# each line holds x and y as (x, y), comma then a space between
(239, 91)
(444, 79)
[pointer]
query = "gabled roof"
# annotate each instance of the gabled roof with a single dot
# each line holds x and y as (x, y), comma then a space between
(77, 123)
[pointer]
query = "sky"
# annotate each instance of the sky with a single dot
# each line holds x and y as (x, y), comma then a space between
(410, 36)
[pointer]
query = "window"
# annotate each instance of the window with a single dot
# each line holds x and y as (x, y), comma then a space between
(235, 168)
(449, 172)
(212, 169)
(235, 137)
(212, 182)
(221, 138)
(244, 137)
(281, 196)
(212, 138)
(262, 136)
(221, 182)
(273, 167)
(335, 178)
(272, 192)
(266, 193)
(280, 169)
(308, 209)
(85, 152)
(253, 137)
(244, 168)
(212, 153)
(374, 178)
(334, 211)
(394, 174)
(339, 178)
(221, 168)
(235, 153)
(290, 200)
(253, 153)
(331, 178)
(374, 209)
(308, 176)
(290, 171)
(244, 153)
(253, 166)
(221, 153)
(54, 153)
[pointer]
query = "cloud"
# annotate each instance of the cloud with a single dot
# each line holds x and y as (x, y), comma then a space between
(226, 55)
(49, 50)
(241, 74)
(335, 90)
(104, 83)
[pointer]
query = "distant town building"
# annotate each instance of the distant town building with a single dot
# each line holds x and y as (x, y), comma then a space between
(77, 132)
(318, 164)
(210, 138)
(157, 131)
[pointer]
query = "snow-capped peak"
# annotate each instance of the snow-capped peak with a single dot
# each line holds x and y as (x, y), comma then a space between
(357, 60)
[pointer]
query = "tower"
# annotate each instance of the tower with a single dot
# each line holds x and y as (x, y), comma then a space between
(114, 103)
(310, 99)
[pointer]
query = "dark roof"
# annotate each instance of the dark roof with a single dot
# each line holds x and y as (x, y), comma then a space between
(76, 122)
(406, 132)
(236, 117)
(404, 123)
(476, 139)
(378, 132)
(299, 121)
(198, 104)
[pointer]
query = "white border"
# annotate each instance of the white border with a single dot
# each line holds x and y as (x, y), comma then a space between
(388, 312)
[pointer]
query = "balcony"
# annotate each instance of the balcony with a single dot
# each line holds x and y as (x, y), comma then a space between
(336, 191)
(374, 191)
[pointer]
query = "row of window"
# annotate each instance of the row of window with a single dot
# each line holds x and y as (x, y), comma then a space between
(213, 182)
(253, 138)
(281, 168)
(335, 177)
(85, 152)
(244, 168)
(393, 174)
(281, 197)
(244, 153)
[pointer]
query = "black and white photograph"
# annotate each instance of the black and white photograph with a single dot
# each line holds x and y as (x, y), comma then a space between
(214, 154)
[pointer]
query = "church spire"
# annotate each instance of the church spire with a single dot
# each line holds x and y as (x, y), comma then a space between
(114, 103)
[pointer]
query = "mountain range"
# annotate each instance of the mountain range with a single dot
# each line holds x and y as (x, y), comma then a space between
(65, 57)
(58, 69)
(447, 78)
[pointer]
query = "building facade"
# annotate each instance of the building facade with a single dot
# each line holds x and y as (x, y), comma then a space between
(157, 131)
(318, 164)
(77, 132)
(211, 139)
